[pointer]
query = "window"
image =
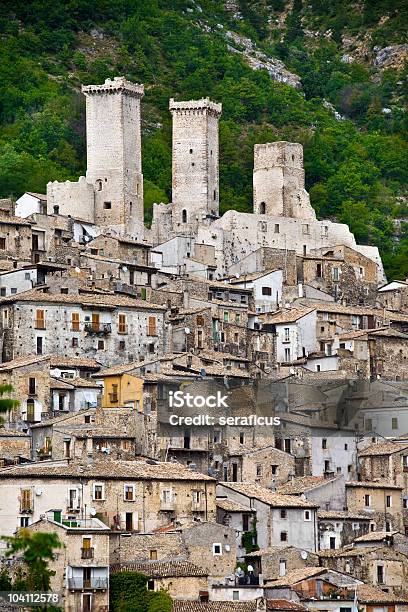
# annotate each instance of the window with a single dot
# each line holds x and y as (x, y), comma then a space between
(276, 228)
(129, 492)
(283, 514)
(327, 466)
(98, 492)
(24, 521)
(26, 500)
(388, 501)
(367, 501)
(282, 567)
(287, 354)
(107, 205)
(200, 320)
(380, 574)
(394, 423)
(283, 536)
(2, 244)
(266, 291)
(151, 327)
(258, 469)
(305, 229)
(184, 216)
(235, 595)
(75, 321)
(324, 443)
(262, 208)
(387, 526)
(335, 274)
(153, 555)
(274, 470)
(226, 316)
(40, 319)
(200, 341)
(3, 291)
(217, 550)
(318, 270)
(75, 343)
(307, 515)
(67, 448)
(286, 334)
(40, 346)
(237, 318)
(122, 345)
(122, 327)
(368, 424)
(31, 386)
(101, 345)
(245, 522)
(332, 543)
(241, 437)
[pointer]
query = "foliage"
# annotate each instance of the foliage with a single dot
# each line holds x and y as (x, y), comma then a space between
(128, 593)
(6, 403)
(36, 549)
(249, 539)
(356, 167)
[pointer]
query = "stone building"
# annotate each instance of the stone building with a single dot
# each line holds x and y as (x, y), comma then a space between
(107, 327)
(394, 296)
(14, 446)
(338, 528)
(111, 194)
(381, 499)
(318, 489)
(82, 566)
(268, 563)
(126, 495)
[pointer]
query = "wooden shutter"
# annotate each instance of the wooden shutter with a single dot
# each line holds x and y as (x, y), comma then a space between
(122, 324)
(151, 331)
(40, 319)
(75, 321)
(25, 499)
(95, 321)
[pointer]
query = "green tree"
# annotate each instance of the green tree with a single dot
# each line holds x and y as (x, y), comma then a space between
(36, 550)
(6, 403)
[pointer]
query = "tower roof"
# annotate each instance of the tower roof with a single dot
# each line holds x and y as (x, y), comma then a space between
(202, 104)
(118, 84)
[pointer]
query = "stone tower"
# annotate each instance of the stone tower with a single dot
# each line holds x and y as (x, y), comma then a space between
(114, 160)
(279, 181)
(195, 183)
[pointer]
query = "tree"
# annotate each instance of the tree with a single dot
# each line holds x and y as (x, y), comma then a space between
(6, 403)
(128, 593)
(36, 550)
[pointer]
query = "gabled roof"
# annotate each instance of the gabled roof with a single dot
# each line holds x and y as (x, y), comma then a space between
(328, 515)
(21, 362)
(302, 484)
(213, 606)
(384, 448)
(275, 500)
(376, 536)
(161, 569)
(372, 484)
(287, 316)
(297, 575)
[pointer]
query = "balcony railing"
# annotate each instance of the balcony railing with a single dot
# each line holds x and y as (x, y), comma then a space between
(100, 329)
(87, 553)
(94, 583)
(167, 505)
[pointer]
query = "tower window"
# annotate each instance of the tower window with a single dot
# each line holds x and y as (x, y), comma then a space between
(56, 210)
(107, 205)
(191, 150)
(262, 208)
(99, 185)
(215, 195)
(184, 216)
(192, 163)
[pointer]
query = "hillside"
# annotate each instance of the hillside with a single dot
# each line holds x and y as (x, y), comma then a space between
(329, 74)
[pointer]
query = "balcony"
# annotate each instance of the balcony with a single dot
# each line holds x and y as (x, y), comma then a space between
(87, 553)
(198, 506)
(167, 505)
(98, 329)
(77, 584)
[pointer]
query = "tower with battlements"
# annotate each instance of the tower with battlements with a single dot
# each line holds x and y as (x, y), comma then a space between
(195, 180)
(279, 181)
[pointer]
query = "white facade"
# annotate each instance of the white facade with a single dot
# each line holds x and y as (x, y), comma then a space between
(296, 339)
(16, 281)
(30, 203)
(267, 290)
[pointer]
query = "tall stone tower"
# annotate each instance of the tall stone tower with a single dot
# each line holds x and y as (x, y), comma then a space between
(279, 181)
(195, 184)
(114, 160)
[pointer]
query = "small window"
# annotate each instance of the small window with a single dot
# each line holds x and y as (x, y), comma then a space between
(241, 437)
(184, 216)
(262, 208)
(324, 443)
(266, 291)
(394, 423)
(307, 515)
(98, 491)
(129, 492)
(283, 513)
(258, 469)
(101, 345)
(274, 470)
(217, 550)
(283, 536)
(2, 244)
(389, 501)
(191, 150)
(276, 228)
(367, 501)
(107, 205)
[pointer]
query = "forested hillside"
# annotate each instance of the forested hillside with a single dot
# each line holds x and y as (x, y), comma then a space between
(330, 74)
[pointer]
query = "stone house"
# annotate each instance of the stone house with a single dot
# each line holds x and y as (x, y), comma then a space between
(82, 566)
(17, 280)
(381, 499)
(268, 563)
(14, 446)
(17, 239)
(237, 516)
(258, 605)
(126, 495)
(318, 489)
(380, 566)
(339, 528)
(70, 368)
(191, 329)
(394, 296)
(30, 203)
(121, 248)
(266, 466)
(266, 287)
(110, 274)
(111, 328)
(74, 394)
(280, 519)
(295, 333)
(268, 258)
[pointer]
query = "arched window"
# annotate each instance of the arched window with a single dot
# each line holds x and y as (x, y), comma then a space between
(30, 410)
(99, 185)
(262, 208)
(184, 216)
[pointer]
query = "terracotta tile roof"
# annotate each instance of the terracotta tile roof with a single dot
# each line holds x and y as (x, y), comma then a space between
(107, 300)
(286, 316)
(384, 448)
(108, 470)
(40, 196)
(74, 362)
(376, 536)
(285, 604)
(12, 433)
(213, 606)
(161, 569)
(358, 551)
(342, 515)
(373, 484)
(231, 506)
(20, 362)
(134, 365)
(272, 550)
(302, 484)
(296, 575)
(275, 500)
(64, 417)
(10, 220)
(244, 278)
(366, 593)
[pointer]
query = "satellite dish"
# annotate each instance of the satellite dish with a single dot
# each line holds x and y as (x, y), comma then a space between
(57, 372)
(77, 270)
(227, 547)
(237, 275)
(292, 371)
(250, 568)
(124, 269)
(92, 511)
(203, 373)
(304, 555)
(239, 572)
(38, 492)
(187, 330)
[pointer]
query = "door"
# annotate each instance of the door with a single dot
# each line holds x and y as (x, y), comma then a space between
(86, 602)
(95, 321)
(87, 577)
(129, 521)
